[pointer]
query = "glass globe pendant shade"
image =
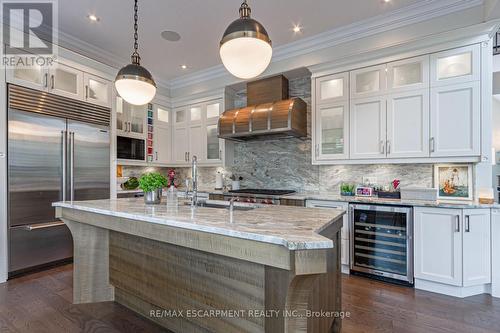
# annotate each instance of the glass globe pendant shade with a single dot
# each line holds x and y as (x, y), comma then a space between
(135, 84)
(245, 48)
(246, 57)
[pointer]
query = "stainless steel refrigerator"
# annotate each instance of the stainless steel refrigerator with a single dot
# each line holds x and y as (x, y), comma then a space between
(58, 149)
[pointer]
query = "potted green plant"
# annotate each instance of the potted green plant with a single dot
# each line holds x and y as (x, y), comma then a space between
(347, 189)
(152, 184)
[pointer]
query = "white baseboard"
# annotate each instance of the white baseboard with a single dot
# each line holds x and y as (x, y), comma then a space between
(455, 291)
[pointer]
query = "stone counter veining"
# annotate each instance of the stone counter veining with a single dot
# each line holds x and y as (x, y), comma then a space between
(295, 228)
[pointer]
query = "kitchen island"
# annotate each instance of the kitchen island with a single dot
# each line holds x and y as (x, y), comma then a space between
(268, 269)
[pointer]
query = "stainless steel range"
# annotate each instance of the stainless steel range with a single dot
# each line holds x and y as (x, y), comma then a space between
(261, 196)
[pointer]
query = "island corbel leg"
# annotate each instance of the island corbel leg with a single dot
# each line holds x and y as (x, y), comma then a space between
(91, 263)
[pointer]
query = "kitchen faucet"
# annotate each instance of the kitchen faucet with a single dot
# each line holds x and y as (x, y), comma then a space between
(194, 180)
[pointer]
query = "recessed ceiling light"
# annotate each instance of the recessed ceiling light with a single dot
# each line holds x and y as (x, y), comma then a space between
(171, 36)
(184, 66)
(297, 28)
(387, 1)
(93, 18)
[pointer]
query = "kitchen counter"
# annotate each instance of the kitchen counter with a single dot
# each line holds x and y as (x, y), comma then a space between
(331, 196)
(151, 257)
(292, 227)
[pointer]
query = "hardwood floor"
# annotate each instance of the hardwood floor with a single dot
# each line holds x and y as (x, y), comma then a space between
(41, 302)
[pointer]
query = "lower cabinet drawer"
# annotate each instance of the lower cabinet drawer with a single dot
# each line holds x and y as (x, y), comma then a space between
(37, 245)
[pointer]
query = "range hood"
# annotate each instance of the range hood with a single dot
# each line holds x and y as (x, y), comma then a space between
(282, 118)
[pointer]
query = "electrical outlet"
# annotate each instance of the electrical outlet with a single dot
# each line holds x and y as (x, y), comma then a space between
(369, 180)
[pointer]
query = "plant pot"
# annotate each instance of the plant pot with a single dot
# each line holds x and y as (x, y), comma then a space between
(152, 198)
(347, 194)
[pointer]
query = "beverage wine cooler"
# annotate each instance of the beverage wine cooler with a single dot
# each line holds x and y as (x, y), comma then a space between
(382, 242)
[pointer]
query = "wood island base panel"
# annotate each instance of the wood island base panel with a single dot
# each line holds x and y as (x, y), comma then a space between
(188, 280)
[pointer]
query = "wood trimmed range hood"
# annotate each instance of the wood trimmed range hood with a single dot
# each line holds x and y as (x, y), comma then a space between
(271, 114)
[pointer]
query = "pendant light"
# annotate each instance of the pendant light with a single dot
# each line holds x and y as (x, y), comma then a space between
(134, 83)
(245, 48)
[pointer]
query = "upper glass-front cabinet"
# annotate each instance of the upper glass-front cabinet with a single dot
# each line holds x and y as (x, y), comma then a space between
(456, 66)
(369, 81)
(332, 88)
(97, 90)
(408, 74)
(66, 81)
(332, 127)
(131, 119)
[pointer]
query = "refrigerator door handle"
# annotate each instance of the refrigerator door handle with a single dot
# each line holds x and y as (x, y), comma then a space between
(63, 159)
(72, 165)
(43, 226)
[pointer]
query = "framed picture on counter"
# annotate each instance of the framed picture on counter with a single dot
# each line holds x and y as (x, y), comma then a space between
(453, 181)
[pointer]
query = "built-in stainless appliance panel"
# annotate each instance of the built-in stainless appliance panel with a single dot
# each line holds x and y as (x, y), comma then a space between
(382, 241)
(35, 245)
(35, 144)
(88, 161)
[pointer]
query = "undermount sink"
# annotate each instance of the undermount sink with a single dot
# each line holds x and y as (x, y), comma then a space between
(222, 205)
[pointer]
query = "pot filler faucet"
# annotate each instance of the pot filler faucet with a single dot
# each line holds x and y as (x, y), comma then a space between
(194, 177)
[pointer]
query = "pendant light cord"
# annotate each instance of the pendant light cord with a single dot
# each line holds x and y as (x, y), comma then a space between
(135, 55)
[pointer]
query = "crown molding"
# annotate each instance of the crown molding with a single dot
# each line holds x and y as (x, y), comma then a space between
(418, 12)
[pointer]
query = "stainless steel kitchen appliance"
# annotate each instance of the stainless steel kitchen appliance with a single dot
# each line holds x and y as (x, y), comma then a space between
(382, 241)
(58, 149)
(261, 196)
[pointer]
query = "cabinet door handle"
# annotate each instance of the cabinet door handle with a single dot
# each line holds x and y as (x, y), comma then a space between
(52, 82)
(185, 156)
(432, 143)
(467, 223)
(317, 150)
(388, 147)
(220, 154)
(382, 147)
(156, 155)
(86, 92)
(46, 80)
(457, 223)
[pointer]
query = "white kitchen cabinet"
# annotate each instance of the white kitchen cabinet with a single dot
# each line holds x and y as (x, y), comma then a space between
(131, 120)
(34, 77)
(345, 234)
(456, 66)
(197, 125)
(408, 124)
(438, 245)
(453, 246)
(180, 146)
(332, 131)
(66, 81)
(369, 81)
(332, 88)
(476, 247)
(455, 120)
(97, 90)
(162, 135)
(408, 74)
(368, 128)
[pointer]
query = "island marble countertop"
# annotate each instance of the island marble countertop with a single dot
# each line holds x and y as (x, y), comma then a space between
(296, 228)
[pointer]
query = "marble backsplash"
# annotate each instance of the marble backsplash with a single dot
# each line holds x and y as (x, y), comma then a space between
(286, 163)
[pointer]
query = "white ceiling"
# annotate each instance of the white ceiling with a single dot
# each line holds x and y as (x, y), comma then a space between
(200, 24)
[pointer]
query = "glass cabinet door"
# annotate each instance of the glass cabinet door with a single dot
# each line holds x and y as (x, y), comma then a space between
(213, 143)
(332, 88)
(66, 81)
(408, 74)
(120, 116)
(97, 90)
(162, 116)
(370, 81)
(137, 118)
(195, 113)
(456, 66)
(35, 77)
(213, 111)
(333, 131)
